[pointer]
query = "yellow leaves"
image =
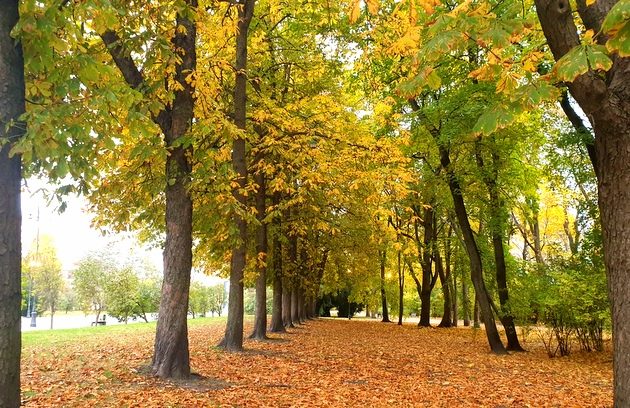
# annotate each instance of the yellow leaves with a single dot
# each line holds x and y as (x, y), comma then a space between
(407, 44)
(507, 82)
(531, 60)
(413, 12)
(373, 6)
(355, 11)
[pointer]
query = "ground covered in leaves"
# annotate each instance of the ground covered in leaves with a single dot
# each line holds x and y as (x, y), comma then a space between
(325, 362)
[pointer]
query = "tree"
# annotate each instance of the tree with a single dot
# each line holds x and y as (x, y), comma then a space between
(148, 297)
(11, 107)
(199, 302)
(216, 300)
(90, 280)
(44, 266)
(605, 99)
(122, 288)
(233, 339)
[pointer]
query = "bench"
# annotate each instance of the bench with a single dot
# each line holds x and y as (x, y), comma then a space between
(99, 322)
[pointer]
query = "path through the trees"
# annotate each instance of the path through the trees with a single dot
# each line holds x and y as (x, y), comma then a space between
(326, 362)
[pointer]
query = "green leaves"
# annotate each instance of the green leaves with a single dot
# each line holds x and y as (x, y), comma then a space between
(580, 60)
(617, 26)
(493, 120)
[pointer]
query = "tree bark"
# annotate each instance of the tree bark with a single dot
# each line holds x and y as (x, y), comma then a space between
(426, 261)
(476, 272)
(605, 99)
(295, 312)
(286, 306)
(301, 306)
(260, 318)
(465, 302)
(11, 107)
(277, 325)
(446, 291)
(383, 258)
(401, 289)
(171, 358)
(233, 338)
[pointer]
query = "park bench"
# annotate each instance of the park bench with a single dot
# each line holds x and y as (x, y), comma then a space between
(99, 322)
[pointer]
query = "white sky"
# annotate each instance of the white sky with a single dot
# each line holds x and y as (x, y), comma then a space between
(71, 230)
(72, 234)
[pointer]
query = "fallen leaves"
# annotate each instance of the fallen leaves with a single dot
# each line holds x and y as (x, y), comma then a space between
(323, 363)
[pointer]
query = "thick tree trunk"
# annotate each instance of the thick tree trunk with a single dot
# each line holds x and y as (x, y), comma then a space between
(171, 358)
(233, 338)
(277, 325)
(476, 272)
(11, 107)
(383, 259)
(260, 318)
(606, 102)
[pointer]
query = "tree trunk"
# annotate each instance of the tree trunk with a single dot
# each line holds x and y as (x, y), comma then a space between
(497, 222)
(426, 261)
(383, 258)
(233, 339)
(606, 102)
(286, 306)
(476, 314)
(301, 306)
(295, 313)
(418, 285)
(476, 272)
(277, 325)
(11, 107)
(454, 304)
(465, 302)
(401, 289)
(446, 315)
(260, 318)
(171, 358)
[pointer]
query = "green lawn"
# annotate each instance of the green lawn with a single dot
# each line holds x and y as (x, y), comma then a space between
(46, 338)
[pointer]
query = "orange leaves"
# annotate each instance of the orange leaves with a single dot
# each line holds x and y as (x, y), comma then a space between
(323, 363)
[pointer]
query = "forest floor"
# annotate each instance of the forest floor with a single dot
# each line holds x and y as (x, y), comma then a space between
(326, 362)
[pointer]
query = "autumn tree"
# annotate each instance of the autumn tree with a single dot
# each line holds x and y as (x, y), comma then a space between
(11, 107)
(605, 99)
(45, 268)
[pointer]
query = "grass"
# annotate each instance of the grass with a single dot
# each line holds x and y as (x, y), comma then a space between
(54, 338)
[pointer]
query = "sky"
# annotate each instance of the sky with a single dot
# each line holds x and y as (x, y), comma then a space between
(71, 231)
(73, 235)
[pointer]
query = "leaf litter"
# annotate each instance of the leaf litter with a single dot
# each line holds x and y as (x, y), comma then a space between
(326, 362)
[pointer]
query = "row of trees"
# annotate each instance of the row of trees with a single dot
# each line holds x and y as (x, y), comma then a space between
(317, 147)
